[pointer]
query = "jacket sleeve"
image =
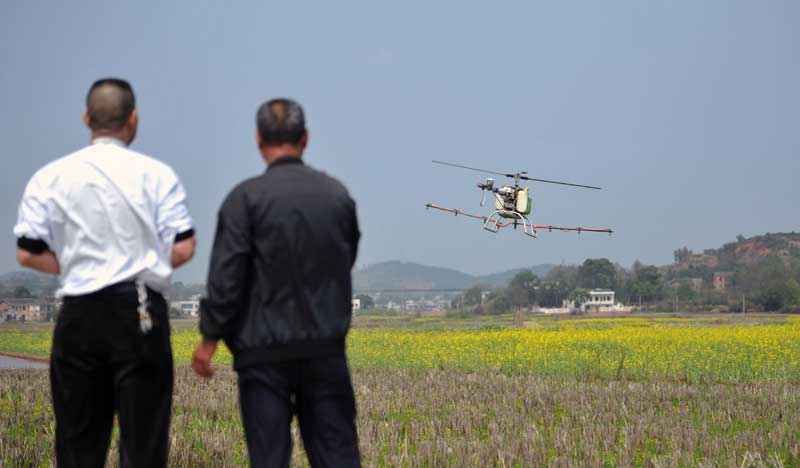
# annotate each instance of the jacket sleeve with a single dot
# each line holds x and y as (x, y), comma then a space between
(228, 272)
(355, 233)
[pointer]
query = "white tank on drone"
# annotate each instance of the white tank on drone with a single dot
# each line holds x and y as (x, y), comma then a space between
(523, 205)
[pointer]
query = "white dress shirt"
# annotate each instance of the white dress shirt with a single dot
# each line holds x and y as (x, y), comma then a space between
(108, 214)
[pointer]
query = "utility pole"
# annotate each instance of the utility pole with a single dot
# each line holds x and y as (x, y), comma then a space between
(744, 308)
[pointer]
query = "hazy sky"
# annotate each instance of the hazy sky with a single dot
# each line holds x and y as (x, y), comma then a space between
(685, 112)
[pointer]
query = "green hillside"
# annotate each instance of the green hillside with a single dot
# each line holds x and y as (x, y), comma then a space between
(409, 275)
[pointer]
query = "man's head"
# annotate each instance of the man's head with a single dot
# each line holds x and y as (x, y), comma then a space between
(111, 109)
(281, 129)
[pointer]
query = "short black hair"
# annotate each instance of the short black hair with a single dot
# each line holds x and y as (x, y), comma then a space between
(281, 121)
(109, 102)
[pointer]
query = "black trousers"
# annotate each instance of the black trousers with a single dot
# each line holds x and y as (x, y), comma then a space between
(320, 392)
(102, 362)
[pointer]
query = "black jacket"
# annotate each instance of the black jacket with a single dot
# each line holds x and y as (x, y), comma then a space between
(279, 284)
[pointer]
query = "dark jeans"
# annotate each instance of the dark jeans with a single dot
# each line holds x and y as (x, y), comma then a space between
(319, 391)
(101, 362)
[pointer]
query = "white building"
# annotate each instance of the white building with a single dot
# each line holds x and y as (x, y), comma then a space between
(28, 310)
(6, 313)
(356, 304)
(599, 300)
(602, 300)
(190, 308)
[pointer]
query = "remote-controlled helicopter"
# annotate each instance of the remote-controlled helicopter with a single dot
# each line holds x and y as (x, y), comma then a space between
(512, 203)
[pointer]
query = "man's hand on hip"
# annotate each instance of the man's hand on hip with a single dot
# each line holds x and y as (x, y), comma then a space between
(201, 361)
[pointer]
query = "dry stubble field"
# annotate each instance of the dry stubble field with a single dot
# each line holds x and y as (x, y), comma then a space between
(661, 392)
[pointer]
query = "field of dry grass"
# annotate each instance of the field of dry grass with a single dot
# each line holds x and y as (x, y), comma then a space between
(453, 418)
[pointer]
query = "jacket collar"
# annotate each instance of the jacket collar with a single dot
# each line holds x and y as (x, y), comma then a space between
(285, 160)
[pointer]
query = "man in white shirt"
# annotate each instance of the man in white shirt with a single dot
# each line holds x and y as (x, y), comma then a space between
(112, 223)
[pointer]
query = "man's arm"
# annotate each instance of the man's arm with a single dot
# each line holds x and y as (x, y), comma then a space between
(355, 233)
(183, 251)
(228, 271)
(227, 281)
(33, 229)
(173, 219)
(45, 262)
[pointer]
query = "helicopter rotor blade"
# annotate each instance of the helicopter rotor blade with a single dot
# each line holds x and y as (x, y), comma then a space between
(522, 177)
(474, 169)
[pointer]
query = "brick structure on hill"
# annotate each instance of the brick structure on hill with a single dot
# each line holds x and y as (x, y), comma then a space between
(722, 280)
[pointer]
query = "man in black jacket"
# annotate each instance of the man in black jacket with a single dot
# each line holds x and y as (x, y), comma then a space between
(279, 294)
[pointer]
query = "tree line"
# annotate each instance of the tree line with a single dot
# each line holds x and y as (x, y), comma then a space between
(568, 282)
(771, 284)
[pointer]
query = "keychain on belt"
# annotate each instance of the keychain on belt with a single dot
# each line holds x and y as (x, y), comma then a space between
(145, 322)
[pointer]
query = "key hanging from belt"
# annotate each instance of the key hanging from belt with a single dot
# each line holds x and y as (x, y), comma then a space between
(145, 322)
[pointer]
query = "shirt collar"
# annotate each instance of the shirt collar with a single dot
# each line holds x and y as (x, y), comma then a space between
(283, 160)
(107, 140)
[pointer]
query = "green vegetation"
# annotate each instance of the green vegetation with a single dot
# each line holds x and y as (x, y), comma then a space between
(762, 274)
(597, 273)
(765, 273)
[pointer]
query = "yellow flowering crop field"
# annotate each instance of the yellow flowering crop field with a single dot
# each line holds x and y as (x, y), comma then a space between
(630, 350)
(686, 349)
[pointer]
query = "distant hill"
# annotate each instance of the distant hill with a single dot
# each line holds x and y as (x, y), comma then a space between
(33, 281)
(403, 275)
(408, 275)
(742, 253)
(750, 250)
(501, 280)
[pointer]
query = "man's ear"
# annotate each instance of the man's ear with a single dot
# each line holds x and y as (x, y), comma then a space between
(261, 146)
(86, 119)
(133, 125)
(304, 140)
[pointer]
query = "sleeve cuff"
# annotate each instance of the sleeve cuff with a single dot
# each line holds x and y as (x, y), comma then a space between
(34, 246)
(182, 236)
(215, 323)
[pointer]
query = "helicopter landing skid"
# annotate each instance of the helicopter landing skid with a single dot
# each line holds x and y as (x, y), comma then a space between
(492, 222)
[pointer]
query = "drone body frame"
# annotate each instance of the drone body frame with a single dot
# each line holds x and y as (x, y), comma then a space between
(513, 203)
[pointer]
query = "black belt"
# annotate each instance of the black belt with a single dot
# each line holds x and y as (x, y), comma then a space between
(117, 289)
(124, 287)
